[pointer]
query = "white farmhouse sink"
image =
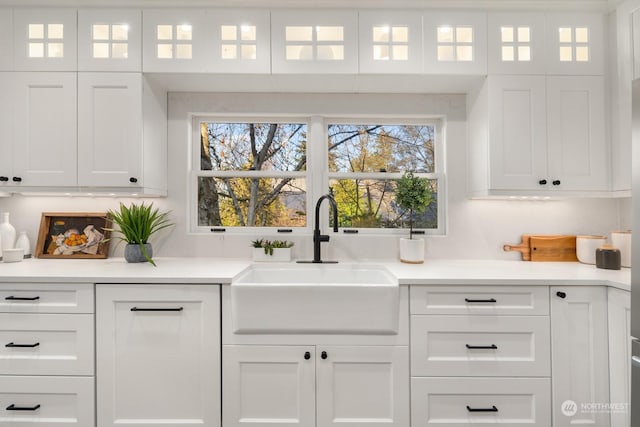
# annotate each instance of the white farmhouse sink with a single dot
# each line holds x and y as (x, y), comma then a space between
(315, 299)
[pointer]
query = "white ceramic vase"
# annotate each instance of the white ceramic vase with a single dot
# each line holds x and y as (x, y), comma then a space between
(622, 241)
(22, 242)
(412, 250)
(7, 232)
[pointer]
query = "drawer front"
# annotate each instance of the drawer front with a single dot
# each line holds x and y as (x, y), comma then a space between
(46, 298)
(481, 300)
(47, 401)
(46, 344)
(464, 402)
(480, 346)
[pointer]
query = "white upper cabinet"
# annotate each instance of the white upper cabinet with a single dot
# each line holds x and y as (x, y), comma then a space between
(390, 42)
(6, 130)
(176, 40)
(241, 42)
(45, 39)
(516, 43)
(6, 39)
(109, 40)
(314, 41)
(455, 43)
(575, 44)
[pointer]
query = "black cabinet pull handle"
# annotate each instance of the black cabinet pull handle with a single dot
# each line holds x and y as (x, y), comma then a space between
(307, 355)
(13, 407)
(324, 355)
(482, 347)
(17, 179)
(157, 309)
(12, 298)
(556, 182)
(490, 300)
(492, 409)
(22, 345)
(4, 178)
(561, 294)
(133, 180)
(542, 182)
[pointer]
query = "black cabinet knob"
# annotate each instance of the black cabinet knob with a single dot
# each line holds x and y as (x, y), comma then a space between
(542, 182)
(324, 355)
(17, 179)
(561, 294)
(133, 180)
(4, 178)
(556, 182)
(307, 355)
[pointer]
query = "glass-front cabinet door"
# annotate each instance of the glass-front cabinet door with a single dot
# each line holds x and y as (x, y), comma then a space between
(45, 39)
(6, 39)
(575, 43)
(390, 42)
(455, 42)
(314, 41)
(516, 43)
(109, 40)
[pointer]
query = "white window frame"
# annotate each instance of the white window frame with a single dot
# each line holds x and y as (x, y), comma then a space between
(317, 173)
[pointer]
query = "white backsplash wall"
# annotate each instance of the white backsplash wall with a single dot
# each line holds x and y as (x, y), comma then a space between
(476, 229)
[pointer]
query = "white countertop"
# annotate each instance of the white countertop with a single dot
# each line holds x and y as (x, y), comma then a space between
(222, 270)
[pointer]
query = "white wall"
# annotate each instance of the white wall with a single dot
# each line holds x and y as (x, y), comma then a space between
(476, 229)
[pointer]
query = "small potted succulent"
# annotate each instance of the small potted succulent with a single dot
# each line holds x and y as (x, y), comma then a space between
(137, 223)
(413, 195)
(267, 250)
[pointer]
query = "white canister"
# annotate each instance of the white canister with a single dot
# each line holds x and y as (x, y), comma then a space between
(586, 248)
(622, 240)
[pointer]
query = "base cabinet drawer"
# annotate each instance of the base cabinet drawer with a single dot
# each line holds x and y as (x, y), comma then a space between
(46, 401)
(463, 402)
(458, 346)
(46, 298)
(46, 344)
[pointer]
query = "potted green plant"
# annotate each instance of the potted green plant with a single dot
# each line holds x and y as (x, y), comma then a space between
(137, 223)
(267, 250)
(413, 195)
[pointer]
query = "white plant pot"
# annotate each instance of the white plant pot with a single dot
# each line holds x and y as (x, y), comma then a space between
(279, 255)
(412, 250)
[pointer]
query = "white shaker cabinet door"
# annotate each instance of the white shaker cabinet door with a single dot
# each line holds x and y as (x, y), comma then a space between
(158, 355)
(45, 149)
(620, 355)
(362, 386)
(6, 129)
(266, 386)
(579, 355)
(110, 129)
(6, 39)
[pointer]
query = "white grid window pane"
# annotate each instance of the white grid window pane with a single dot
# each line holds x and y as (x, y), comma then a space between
(582, 35)
(120, 32)
(400, 34)
(445, 34)
(183, 32)
(524, 53)
(248, 51)
(299, 52)
(36, 31)
(228, 32)
(36, 50)
(524, 34)
(506, 34)
(248, 33)
(464, 53)
(229, 51)
(55, 50)
(381, 52)
(329, 34)
(120, 50)
(566, 54)
(400, 52)
(331, 53)
(299, 34)
(381, 34)
(165, 51)
(101, 50)
(55, 31)
(565, 35)
(445, 53)
(508, 53)
(582, 53)
(464, 34)
(183, 51)
(101, 32)
(164, 32)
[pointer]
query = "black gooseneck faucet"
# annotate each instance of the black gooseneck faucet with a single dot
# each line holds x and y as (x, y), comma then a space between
(319, 238)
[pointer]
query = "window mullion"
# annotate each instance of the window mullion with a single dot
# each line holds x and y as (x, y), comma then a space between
(318, 168)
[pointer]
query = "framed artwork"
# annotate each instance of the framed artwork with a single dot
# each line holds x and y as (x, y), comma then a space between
(73, 235)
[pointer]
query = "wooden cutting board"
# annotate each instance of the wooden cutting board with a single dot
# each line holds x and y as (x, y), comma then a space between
(546, 248)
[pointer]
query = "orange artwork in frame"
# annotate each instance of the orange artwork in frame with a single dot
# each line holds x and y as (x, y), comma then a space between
(76, 235)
